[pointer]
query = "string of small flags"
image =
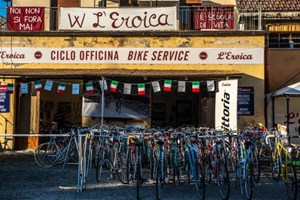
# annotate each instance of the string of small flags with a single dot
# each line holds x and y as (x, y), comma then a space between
(113, 87)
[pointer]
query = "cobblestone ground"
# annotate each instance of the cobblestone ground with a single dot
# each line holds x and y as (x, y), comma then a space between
(21, 178)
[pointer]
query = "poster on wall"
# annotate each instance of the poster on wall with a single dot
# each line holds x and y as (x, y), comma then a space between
(245, 101)
(226, 105)
(116, 105)
(4, 102)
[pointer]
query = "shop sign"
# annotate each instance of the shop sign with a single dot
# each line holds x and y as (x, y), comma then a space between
(245, 101)
(226, 105)
(25, 18)
(4, 102)
(118, 19)
(214, 18)
(219, 56)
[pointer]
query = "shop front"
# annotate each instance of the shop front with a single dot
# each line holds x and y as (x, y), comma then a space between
(160, 79)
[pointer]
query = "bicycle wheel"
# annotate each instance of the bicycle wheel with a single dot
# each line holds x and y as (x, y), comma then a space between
(275, 166)
(73, 153)
(256, 166)
(199, 181)
(223, 179)
(138, 174)
(248, 179)
(159, 179)
(123, 167)
(45, 154)
(291, 182)
(99, 164)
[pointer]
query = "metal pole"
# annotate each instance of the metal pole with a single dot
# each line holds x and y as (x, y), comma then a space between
(273, 111)
(102, 101)
(79, 185)
(288, 116)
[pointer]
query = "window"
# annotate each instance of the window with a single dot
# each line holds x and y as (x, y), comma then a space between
(284, 40)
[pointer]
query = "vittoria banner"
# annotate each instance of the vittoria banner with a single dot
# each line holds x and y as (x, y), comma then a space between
(25, 18)
(226, 105)
(118, 19)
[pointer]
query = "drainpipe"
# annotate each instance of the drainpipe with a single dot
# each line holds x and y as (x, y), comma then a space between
(259, 19)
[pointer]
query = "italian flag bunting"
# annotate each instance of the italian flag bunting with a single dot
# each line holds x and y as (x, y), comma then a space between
(10, 88)
(156, 86)
(210, 86)
(3, 87)
(24, 88)
(61, 88)
(195, 86)
(89, 88)
(113, 86)
(127, 88)
(168, 85)
(38, 85)
(141, 89)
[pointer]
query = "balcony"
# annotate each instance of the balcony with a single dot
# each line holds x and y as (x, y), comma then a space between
(194, 17)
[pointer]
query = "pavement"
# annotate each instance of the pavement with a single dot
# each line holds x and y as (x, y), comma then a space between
(22, 178)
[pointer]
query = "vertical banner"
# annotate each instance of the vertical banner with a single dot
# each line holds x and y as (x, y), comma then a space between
(226, 105)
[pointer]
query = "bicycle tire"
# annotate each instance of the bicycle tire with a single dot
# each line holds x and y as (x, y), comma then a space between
(223, 179)
(275, 166)
(291, 183)
(138, 174)
(123, 167)
(158, 184)
(99, 164)
(248, 179)
(256, 166)
(45, 154)
(199, 181)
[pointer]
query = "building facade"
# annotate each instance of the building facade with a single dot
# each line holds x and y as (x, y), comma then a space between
(153, 77)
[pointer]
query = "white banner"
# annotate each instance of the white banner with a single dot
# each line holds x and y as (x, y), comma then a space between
(118, 19)
(116, 106)
(219, 56)
(226, 105)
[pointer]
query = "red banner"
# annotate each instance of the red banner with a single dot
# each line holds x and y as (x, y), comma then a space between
(25, 18)
(214, 18)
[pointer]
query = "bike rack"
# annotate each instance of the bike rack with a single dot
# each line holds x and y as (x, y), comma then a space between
(82, 154)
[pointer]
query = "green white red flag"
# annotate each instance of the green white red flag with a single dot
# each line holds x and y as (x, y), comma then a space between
(196, 86)
(61, 88)
(10, 88)
(89, 88)
(3, 87)
(113, 86)
(38, 85)
(141, 89)
(168, 85)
